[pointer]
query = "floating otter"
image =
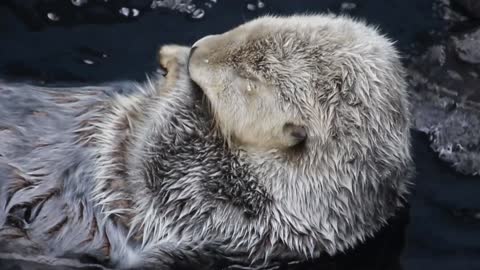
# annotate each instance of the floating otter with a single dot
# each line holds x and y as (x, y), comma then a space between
(295, 142)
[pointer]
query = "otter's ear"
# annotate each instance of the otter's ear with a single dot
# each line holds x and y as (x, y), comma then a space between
(294, 134)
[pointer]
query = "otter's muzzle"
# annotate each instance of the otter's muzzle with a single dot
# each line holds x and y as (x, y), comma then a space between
(201, 50)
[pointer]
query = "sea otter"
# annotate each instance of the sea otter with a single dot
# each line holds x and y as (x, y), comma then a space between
(286, 137)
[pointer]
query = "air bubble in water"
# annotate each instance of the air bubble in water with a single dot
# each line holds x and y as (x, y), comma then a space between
(348, 6)
(213, 1)
(124, 11)
(260, 4)
(135, 12)
(53, 17)
(208, 5)
(88, 61)
(165, 3)
(251, 7)
(198, 13)
(79, 2)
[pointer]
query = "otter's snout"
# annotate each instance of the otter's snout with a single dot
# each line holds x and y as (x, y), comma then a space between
(202, 49)
(202, 61)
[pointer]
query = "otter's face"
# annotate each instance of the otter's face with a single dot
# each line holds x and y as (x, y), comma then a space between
(277, 82)
(247, 104)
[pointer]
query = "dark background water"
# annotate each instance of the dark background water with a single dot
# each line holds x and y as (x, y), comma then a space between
(94, 43)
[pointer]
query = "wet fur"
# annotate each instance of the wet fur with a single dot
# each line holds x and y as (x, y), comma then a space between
(140, 175)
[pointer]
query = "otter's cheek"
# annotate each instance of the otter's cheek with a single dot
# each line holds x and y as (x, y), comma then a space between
(209, 80)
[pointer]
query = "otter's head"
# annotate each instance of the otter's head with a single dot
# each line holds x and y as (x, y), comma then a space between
(277, 82)
(242, 72)
(333, 86)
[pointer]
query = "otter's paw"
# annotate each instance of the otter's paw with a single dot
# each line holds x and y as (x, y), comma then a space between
(172, 57)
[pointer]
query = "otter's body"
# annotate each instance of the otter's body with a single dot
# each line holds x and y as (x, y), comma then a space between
(147, 175)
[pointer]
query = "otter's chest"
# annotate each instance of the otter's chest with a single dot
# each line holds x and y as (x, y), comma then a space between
(197, 165)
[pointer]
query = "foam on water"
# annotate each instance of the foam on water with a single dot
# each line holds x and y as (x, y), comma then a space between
(52, 16)
(124, 11)
(112, 11)
(186, 6)
(79, 2)
(254, 5)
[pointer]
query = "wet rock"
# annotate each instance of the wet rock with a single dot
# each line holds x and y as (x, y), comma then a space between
(453, 130)
(454, 75)
(471, 7)
(445, 97)
(435, 55)
(467, 47)
(444, 9)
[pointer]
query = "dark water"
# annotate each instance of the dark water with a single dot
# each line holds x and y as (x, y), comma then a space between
(35, 47)
(54, 41)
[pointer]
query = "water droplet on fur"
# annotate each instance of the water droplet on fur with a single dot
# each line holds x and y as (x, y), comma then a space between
(53, 17)
(79, 2)
(260, 4)
(124, 11)
(88, 61)
(198, 14)
(251, 7)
